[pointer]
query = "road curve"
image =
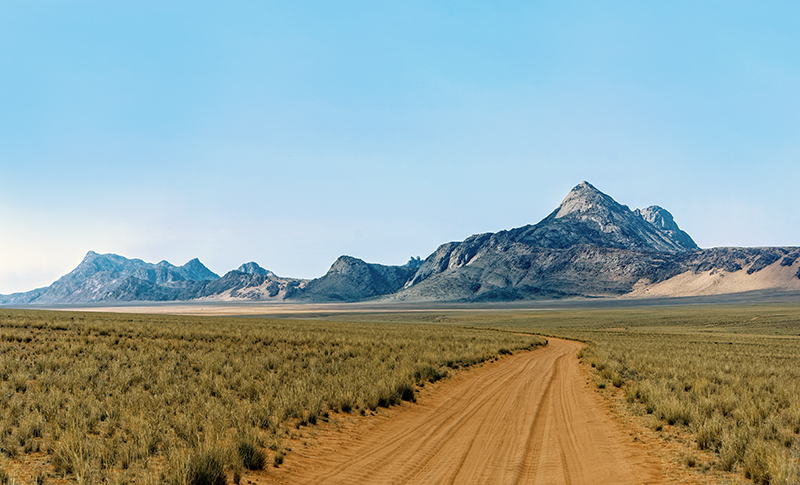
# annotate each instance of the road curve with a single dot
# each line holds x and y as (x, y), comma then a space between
(529, 418)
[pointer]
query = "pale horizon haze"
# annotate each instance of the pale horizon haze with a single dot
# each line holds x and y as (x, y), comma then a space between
(290, 133)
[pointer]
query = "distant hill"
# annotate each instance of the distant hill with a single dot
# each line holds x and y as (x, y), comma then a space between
(351, 279)
(589, 246)
(250, 282)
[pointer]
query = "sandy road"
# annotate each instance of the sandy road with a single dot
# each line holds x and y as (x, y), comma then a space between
(529, 418)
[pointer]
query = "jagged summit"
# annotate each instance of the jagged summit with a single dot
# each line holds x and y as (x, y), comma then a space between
(345, 264)
(94, 262)
(658, 216)
(588, 216)
(663, 220)
(253, 268)
(116, 266)
(197, 271)
(584, 201)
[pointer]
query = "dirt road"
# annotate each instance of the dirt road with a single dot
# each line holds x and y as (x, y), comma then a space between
(529, 418)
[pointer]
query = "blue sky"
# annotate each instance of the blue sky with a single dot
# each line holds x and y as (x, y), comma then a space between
(290, 133)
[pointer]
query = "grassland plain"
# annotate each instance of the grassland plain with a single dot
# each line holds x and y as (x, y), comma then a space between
(728, 377)
(116, 398)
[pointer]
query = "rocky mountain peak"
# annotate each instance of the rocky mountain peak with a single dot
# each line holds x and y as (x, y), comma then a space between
(94, 262)
(588, 216)
(197, 271)
(345, 264)
(584, 201)
(663, 221)
(253, 268)
(658, 216)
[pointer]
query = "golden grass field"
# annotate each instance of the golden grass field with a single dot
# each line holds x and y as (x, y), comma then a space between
(93, 398)
(166, 399)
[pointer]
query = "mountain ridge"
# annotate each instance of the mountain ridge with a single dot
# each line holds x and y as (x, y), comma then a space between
(102, 277)
(589, 246)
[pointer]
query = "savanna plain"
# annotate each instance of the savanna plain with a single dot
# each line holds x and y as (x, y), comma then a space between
(136, 398)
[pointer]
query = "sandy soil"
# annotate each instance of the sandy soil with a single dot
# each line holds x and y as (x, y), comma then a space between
(720, 282)
(528, 418)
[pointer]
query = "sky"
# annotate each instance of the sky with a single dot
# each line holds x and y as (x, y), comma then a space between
(290, 133)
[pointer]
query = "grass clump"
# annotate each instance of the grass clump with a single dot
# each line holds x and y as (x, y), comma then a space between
(206, 469)
(253, 458)
(406, 392)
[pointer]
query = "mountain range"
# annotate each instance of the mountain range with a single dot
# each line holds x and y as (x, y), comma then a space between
(589, 246)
